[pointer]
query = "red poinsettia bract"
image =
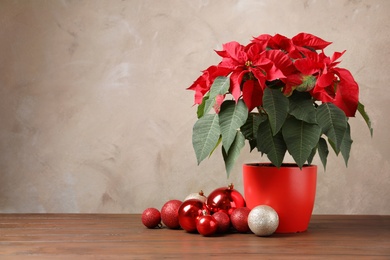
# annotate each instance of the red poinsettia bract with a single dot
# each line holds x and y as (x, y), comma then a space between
(333, 84)
(289, 63)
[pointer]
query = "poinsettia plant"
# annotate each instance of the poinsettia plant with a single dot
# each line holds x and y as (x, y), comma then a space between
(281, 95)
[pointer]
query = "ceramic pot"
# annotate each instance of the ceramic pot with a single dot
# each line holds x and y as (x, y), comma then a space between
(289, 190)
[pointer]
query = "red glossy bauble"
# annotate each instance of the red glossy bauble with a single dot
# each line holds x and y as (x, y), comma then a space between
(151, 217)
(239, 219)
(206, 225)
(170, 213)
(225, 199)
(223, 221)
(189, 212)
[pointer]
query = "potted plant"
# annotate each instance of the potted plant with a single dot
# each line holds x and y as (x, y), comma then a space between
(282, 95)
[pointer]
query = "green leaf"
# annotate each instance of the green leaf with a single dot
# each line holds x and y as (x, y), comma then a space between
(323, 151)
(333, 122)
(311, 156)
(301, 107)
(205, 135)
(365, 116)
(337, 152)
(220, 86)
(346, 145)
(232, 155)
(216, 145)
(301, 138)
(208, 105)
(249, 129)
(231, 117)
(276, 106)
(272, 145)
(200, 110)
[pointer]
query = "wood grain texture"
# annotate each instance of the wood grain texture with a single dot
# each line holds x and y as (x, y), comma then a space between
(122, 236)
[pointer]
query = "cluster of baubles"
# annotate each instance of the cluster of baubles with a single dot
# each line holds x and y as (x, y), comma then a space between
(223, 210)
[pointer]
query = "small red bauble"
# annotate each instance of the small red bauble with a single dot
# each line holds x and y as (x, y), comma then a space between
(189, 212)
(151, 217)
(206, 225)
(239, 219)
(170, 213)
(223, 221)
(225, 199)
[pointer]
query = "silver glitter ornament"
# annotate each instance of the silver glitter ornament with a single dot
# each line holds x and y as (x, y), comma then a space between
(263, 220)
(199, 196)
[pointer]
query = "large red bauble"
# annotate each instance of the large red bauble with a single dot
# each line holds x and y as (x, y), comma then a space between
(189, 212)
(206, 225)
(223, 221)
(170, 213)
(225, 199)
(239, 219)
(151, 217)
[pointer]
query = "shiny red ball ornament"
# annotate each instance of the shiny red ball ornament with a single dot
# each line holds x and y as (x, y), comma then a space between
(223, 221)
(189, 212)
(170, 214)
(225, 199)
(206, 224)
(239, 219)
(151, 218)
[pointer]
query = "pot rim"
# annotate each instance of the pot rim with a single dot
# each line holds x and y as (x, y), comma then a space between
(284, 165)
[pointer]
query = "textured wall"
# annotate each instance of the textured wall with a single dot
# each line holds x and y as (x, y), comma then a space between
(94, 115)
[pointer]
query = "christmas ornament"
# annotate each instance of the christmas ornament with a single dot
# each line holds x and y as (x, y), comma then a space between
(223, 221)
(199, 195)
(263, 220)
(206, 224)
(225, 199)
(151, 218)
(189, 212)
(170, 213)
(239, 219)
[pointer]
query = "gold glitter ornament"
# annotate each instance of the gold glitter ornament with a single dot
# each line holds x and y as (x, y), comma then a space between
(263, 220)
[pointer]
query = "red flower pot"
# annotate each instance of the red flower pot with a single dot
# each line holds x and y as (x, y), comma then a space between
(288, 189)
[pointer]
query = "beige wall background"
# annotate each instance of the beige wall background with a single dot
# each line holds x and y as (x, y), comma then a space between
(94, 115)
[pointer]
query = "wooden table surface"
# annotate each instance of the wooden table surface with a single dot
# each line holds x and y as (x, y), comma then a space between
(122, 236)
